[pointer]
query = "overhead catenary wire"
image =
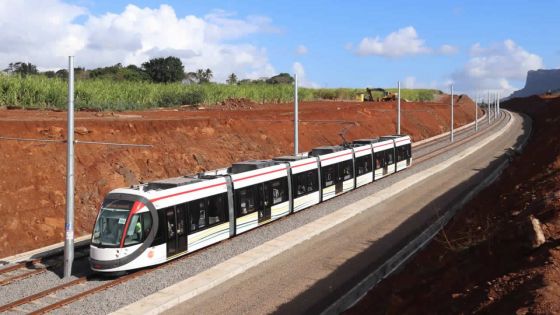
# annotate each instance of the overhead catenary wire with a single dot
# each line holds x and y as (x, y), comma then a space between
(62, 141)
(32, 139)
(114, 143)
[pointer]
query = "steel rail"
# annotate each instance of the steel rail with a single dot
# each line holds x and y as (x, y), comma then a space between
(455, 144)
(19, 265)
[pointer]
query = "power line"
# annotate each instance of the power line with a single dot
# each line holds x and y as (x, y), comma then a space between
(76, 142)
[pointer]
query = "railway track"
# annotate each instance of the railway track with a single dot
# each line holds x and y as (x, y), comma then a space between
(504, 117)
(29, 268)
(21, 270)
(58, 296)
(444, 141)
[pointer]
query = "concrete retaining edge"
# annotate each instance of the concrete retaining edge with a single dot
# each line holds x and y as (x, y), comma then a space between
(45, 251)
(402, 256)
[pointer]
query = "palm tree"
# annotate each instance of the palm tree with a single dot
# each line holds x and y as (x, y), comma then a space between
(208, 74)
(232, 79)
(204, 76)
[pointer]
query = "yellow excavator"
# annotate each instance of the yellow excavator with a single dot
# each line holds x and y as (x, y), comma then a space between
(387, 96)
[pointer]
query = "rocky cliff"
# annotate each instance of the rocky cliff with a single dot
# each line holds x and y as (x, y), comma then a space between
(539, 82)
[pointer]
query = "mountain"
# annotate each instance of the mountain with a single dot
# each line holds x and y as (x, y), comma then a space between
(539, 82)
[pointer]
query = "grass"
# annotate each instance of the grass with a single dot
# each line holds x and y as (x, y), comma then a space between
(42, 92)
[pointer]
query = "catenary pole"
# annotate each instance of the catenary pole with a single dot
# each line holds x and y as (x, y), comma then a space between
(498, 104)
(492, 103)
(399, 108)
(296, 109)
(69, 224)
(488, 111)
(475, 113)
(495, 106)
(451, 113)
(491, 109)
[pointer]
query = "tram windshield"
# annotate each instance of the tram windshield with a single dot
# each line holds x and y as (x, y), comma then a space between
(110, 224)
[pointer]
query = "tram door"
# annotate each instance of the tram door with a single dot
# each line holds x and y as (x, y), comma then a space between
(176, 230)
(171, 231)
(182, 235)
(339, 184)
(265, 191)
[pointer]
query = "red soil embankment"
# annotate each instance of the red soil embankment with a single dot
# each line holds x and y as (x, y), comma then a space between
(486, 260)
(32, 174)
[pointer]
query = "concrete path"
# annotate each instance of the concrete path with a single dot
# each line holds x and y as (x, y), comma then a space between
(306, 269)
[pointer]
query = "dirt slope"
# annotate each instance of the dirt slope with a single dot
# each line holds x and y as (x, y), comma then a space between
(486, 260)
(32, 175)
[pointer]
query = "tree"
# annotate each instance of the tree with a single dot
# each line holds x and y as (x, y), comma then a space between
(232, 79)
(165, 70)
(62, 74)
(134, 73)
(200, 76)
(204, 76)
(21, 68)
(282, 78)
(49, 74)
(191, 77)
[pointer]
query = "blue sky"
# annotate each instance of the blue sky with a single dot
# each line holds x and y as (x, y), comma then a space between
(489, 44)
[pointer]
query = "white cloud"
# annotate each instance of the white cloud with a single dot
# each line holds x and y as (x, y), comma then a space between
(298, 69)
(44, 33)
(495, 67)
(448, 49)
(404, 41)
(39, 31)
(301, 50)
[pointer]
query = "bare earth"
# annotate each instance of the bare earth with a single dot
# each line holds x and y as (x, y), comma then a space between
(32, 174)
(488, 260)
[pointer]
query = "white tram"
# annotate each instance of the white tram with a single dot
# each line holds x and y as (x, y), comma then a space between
(152, 223)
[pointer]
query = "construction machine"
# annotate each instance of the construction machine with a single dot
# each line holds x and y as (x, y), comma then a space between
(387, 96)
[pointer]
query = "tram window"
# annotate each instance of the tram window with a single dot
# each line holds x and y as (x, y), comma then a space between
(400, 153)
(363, 165)
(197, 214)
(408, 151)
(403, 152)
(329, 175)
(181, 218)
(159, 239)
(305, 183)
(390, 156)
(379, 160)
(170, 213)
(138, 229)
(279, 190)
(246, 200)
(217, 209)
(346, 171)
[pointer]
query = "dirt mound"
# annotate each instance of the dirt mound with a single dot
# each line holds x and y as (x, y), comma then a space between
(237, 103)
(32, 176)
(489, 259)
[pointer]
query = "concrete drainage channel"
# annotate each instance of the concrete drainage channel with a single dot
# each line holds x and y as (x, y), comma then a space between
(418, 243)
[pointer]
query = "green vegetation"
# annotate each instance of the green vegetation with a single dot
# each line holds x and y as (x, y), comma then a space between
(39, 91)
(160, 82)
(165, 70)
(417, 94)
